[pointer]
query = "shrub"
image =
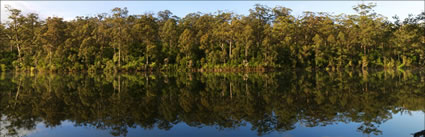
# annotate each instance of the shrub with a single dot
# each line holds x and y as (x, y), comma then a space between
(3, 68)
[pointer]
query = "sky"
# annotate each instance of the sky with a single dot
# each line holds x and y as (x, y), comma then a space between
(70, 9)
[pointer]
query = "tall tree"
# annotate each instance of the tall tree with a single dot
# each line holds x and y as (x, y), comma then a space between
(53, 37)
(119, 31)
(169, 34)
(146, 33)
(16, 30)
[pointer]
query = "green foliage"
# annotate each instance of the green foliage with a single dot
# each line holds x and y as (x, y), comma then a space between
(267, 38)
(135, 64)
(2, 68)
(110, 67)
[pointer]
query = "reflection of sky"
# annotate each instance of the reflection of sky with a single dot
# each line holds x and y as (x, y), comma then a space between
(401, 125)
(67, 129)
(405, 124)
(4, 123)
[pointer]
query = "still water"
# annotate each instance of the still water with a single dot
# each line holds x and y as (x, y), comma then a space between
(279, 104)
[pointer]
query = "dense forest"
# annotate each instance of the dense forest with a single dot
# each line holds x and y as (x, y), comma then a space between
(266, 38)
(277, 101)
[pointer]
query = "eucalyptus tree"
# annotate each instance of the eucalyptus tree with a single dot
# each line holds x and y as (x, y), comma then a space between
(164, 16)
(16, 30)
(53, 37)
(284, 35)
(84, 30)
(370, 28)
(236, 27)
(21, 32)
(408, 40)
(169, 35)
(247, 37)
(119, 32)
(101, 35)
(145, 30)
(259, 19)
(223, 35)
(188, 42)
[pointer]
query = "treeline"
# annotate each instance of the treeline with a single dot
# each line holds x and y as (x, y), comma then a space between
(268, 102)
(267, 38)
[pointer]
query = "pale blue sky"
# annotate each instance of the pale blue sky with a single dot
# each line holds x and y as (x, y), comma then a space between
(70, 9)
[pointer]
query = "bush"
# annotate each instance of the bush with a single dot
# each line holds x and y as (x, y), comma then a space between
(110, 66)
(137, 64)
(3, 68)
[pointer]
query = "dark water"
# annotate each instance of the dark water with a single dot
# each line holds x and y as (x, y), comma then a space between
(284, 104)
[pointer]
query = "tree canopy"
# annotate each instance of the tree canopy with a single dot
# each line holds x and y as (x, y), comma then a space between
(266, 38)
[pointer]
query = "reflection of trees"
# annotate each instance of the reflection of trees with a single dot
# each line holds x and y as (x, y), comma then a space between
(269, 102)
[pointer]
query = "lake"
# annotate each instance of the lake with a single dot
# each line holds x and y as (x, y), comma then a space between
(277, 104)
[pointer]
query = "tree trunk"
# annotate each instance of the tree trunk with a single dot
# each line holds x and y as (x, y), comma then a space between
(19, 53)
(364, 54)
(119, 83)
(147, 58)
(364, 50)
(230, 50)
(119, 56)
(224, 51)
(147, 82)
(17, 44)
(231, 93)
(119, 50)
(50, 56)
(246, 53)
(170, 47)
